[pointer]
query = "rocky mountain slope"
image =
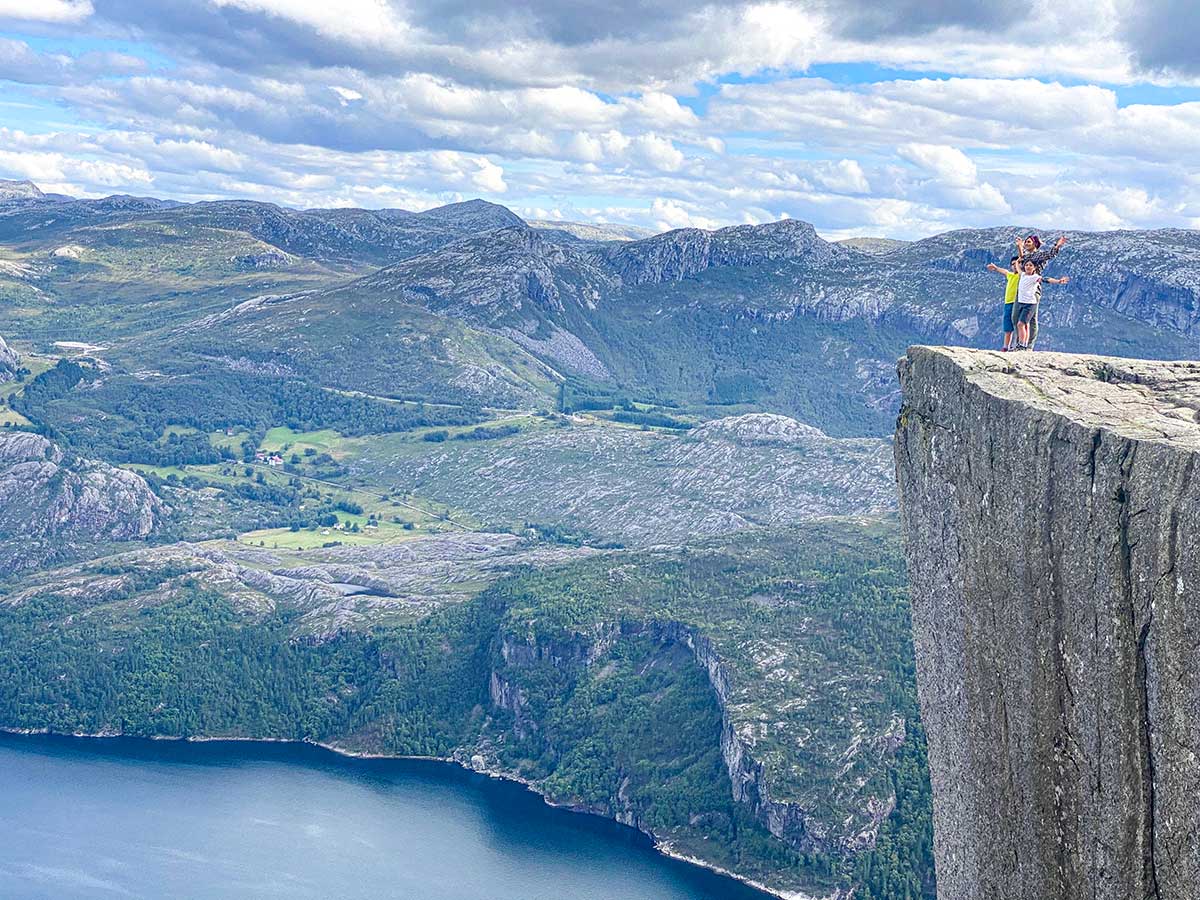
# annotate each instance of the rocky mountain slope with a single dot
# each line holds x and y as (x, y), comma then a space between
(328, 590)
(50, 504)
(767, 317)
(352, 237)
(644, 487)
(591, 231)
(10, 362)
(873, 246)
(19, 191)
(1050, 512)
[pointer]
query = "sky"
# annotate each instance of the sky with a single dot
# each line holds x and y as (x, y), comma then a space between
(892, 118)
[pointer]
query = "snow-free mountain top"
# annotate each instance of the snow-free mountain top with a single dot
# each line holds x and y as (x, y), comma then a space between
(19, 190)
(467, 303)
(594, 231)
(875, 246)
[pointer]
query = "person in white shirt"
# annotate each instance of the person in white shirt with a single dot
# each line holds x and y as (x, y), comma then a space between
(1029, 295)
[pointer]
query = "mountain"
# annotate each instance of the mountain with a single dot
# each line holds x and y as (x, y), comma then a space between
(687, 252)
(592, 231)
(873, 246)
(53, 505)
(343, 237)
(19, 190)
(468, 304)
(126, 266)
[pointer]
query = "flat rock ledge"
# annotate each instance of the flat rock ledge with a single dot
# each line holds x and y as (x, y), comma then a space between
(1052, 526)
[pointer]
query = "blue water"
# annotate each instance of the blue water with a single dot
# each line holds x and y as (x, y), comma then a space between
(126, 818)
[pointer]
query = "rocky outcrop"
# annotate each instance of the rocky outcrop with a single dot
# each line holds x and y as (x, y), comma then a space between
(10, 362)
(19, 190)
(681, 254)
(269, 258)
(507, 276)
(1052, 521)
(646, 488)
(47, 500)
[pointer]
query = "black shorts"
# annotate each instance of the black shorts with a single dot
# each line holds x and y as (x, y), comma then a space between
(1024, 312)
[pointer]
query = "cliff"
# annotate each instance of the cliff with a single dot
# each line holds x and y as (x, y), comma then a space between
(1052, 527)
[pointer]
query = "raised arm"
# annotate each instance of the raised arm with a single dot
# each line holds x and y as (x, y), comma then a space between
(1043, 256)
(1064, 280)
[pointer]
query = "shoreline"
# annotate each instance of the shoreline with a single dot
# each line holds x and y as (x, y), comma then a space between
(659, 845)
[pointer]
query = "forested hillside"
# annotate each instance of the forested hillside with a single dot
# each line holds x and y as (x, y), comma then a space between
(608, 684)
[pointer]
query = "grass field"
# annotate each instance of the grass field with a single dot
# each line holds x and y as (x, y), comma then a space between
(10, 417)
(36, 366)
(283, 440)
(176, 430)
(220, 439)
(285, 539)
(383, 518)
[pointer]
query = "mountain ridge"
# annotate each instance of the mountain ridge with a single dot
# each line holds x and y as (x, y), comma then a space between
(765, 317)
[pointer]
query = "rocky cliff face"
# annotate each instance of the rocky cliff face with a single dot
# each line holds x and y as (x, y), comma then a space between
(850, 826)
(1053, 537)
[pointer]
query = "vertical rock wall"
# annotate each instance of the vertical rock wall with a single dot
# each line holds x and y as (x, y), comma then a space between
(1051, 512)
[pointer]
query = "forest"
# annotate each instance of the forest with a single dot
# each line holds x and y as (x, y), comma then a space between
(123, 417)
(630, 727)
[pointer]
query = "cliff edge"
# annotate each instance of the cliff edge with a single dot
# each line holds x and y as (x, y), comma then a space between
(1052, 527)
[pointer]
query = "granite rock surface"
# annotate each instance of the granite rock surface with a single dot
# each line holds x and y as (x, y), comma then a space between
(1052, 525)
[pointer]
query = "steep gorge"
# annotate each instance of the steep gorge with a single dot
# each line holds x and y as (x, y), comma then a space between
(1052, 523)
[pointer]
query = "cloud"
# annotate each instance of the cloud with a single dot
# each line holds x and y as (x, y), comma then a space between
(367, 23)
(668, 215)
(699, 112)
(19, 62)
(950, 165)
(886, 17)
(1162, 34)
(844, 177)
(56, 11)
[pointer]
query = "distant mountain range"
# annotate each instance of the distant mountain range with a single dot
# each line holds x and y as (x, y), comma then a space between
(469, 303)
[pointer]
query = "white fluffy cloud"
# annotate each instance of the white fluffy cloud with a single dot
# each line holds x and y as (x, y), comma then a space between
(45, 10)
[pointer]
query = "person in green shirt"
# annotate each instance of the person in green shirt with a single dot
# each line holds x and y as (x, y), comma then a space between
(1013, 277)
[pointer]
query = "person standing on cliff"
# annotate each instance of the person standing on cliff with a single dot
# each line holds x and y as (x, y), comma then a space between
(1029, 297)
(1030, 250)
(1013, 276)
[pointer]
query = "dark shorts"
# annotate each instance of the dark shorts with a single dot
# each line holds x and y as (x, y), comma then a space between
(1008, 317)
(1024, 312)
